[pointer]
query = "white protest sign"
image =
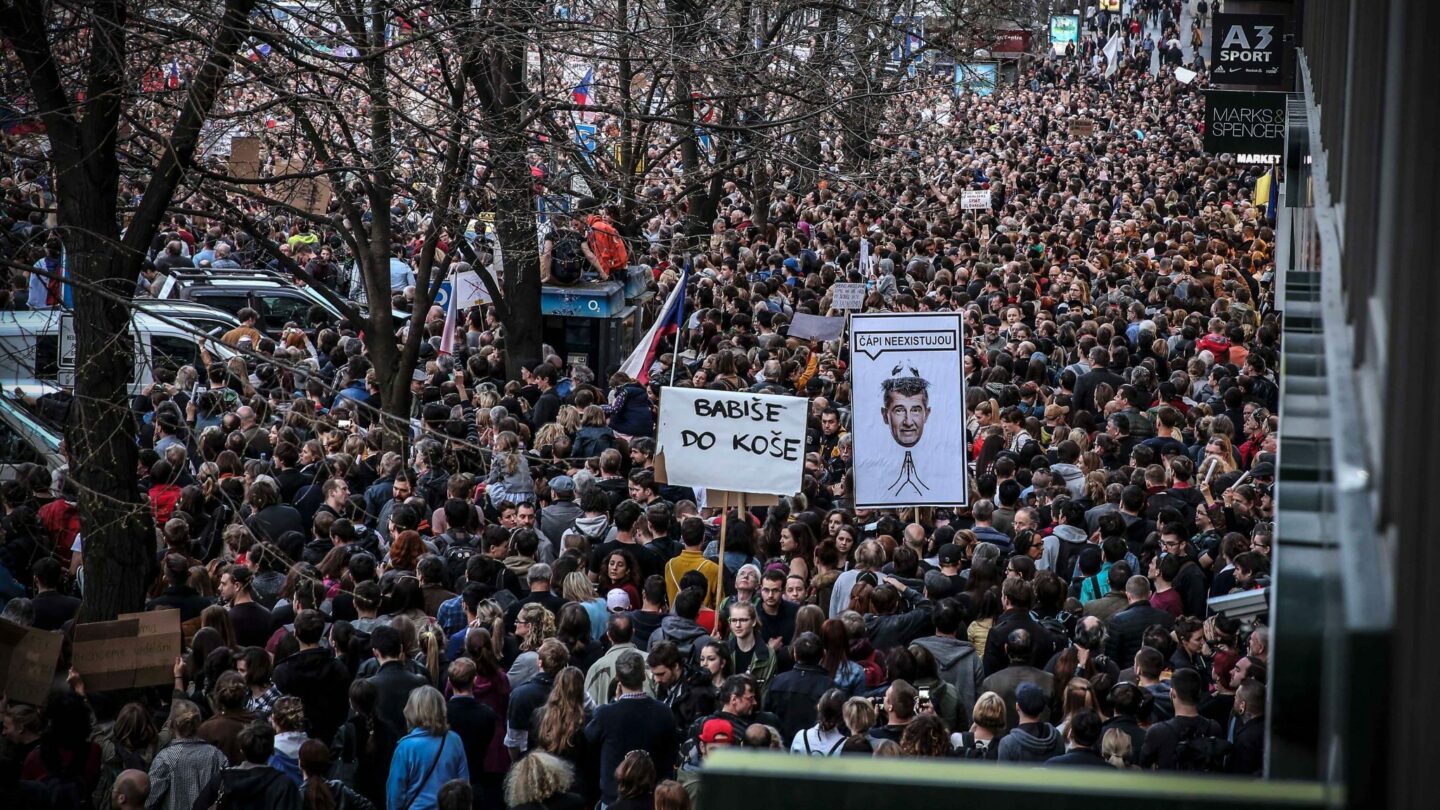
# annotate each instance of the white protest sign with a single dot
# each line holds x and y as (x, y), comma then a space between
(904, 370)
(752, 443)
(1185, 76)
(848, 295)
(974, 200)
(469, 289)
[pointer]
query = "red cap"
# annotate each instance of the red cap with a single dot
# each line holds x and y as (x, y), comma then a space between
(715, 731)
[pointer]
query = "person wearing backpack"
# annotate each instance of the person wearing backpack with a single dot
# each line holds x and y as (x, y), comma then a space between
(827, 736)
(603, 243)
(566, 254)
(1187, 741)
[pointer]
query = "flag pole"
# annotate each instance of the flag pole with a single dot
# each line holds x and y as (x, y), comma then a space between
(679, 322)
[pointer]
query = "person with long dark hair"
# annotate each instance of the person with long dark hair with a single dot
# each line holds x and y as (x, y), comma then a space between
(560, 729)
(363, 744)
(620, 570)
(491, 688)
(321, 792)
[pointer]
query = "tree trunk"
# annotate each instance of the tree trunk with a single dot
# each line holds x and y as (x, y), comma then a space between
(117, 527)
(515, 226)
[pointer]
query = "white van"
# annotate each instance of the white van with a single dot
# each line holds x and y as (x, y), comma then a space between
(37, 350)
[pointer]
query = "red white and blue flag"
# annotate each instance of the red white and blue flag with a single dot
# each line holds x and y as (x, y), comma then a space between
(452, 314)
(581, 93)
(669, 321)
(172, 75)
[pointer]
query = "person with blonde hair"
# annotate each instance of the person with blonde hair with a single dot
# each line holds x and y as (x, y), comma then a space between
(987, 726)
(541, 781)
(534, 624)
(577, 587)
(1117, 750)
(859, 715)
(186, 764)
(427, 757)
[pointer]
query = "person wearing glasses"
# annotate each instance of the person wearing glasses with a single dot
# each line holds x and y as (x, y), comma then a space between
(747, 655)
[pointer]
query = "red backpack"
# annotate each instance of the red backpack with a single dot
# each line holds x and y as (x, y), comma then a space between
(608, 247)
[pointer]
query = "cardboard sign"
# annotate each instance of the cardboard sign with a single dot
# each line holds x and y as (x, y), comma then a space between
(104, 654)
(27, 662)
(1082, 128)
(245, 157)
(817, 327)
(846, 295)
(157, 645)
(974, 200)
(731, 441)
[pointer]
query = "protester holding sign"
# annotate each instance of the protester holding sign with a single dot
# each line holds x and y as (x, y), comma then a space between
(1001, 457)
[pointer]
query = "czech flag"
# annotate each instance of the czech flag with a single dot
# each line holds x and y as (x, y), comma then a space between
(671, 318)
(172, 75)
(258, 52)
(452, 314)
(581, 94)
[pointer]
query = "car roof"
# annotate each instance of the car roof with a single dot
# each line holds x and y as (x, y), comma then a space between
(184, 308)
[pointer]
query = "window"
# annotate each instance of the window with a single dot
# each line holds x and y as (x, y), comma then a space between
(169, 351)
(47, 357)
(278, 309)
(231, 303)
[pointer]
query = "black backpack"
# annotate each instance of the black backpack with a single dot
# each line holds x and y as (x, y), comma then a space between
(567, 258)
(457, 557)
(971, 748)
(1201, 752)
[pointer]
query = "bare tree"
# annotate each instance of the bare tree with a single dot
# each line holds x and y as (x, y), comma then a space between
(76, 57)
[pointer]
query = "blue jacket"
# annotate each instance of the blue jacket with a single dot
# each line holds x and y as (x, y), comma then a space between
(413, 757)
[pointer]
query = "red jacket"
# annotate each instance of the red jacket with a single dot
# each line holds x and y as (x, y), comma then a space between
(163, 498)
(1218, 345)
(62, 522)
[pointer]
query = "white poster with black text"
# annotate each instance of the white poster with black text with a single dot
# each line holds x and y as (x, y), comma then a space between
(752, 443)
(908, 394)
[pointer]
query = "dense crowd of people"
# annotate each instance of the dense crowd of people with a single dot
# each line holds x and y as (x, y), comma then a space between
(513, 611)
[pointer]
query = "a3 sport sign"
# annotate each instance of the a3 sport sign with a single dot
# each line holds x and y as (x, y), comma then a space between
(1248, 49)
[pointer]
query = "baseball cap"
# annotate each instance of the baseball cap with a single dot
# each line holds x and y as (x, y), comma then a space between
(1031, 699)
(617, 599)
(716, 731)
(562, 483)
(951, 554)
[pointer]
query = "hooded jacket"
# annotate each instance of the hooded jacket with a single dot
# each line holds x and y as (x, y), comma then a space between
(519, 566)
(596, 529)
(1073, 477)
(318, 678)
(252, 787)
(1062, 548)
(688, 636)
(286, 758)
(959, 666)
(1031, 742)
